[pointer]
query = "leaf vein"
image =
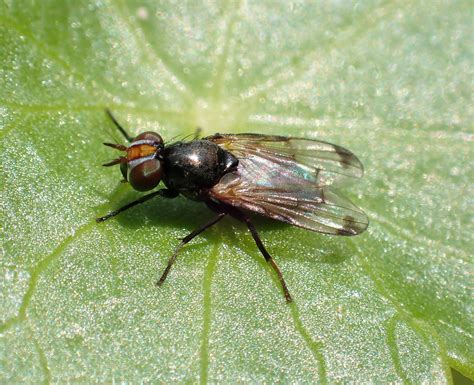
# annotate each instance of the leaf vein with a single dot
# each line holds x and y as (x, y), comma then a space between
(315, 347)
(141, 41)
(42, 359)
(390, 327)
(36, 272)
(207, 314)
(223, 58)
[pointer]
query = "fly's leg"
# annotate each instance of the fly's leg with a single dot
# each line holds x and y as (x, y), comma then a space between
(185, 240)
(117, 124)
(165, 193)
(268, 257)
(237, 214)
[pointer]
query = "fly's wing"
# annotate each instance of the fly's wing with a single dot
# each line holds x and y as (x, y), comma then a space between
(303, 205)
(267, 157)
(286, 179)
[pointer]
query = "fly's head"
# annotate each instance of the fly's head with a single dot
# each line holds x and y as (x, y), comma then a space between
(142, 165)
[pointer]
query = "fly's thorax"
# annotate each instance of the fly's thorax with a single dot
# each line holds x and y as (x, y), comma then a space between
(195, 165)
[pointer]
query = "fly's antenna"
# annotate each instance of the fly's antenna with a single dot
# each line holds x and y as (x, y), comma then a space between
(117, 124)
(119, 160)
(117, 146)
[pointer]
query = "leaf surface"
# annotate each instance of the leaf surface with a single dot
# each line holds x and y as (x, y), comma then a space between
(390, 80)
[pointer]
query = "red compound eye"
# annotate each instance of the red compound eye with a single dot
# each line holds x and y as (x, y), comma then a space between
(145, 175)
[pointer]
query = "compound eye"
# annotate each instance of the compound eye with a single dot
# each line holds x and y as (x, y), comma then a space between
(151, 136)
(145, 175)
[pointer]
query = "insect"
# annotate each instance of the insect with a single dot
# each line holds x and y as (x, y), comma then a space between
(283, 178)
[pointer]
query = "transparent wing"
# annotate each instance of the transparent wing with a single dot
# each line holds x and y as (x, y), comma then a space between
(265, 157)
(304, 205)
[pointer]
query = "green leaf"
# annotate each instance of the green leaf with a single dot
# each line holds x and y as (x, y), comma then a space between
(390, 80)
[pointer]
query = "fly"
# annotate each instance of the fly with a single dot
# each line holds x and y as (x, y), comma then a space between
(283, 178)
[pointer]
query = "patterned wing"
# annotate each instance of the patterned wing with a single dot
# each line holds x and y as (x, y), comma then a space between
(304, 205)
(266, 157)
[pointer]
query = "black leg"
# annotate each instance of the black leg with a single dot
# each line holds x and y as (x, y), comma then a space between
(237, 214)
(268, 257)
(164, 193)
(185, 240)
(117, 124)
